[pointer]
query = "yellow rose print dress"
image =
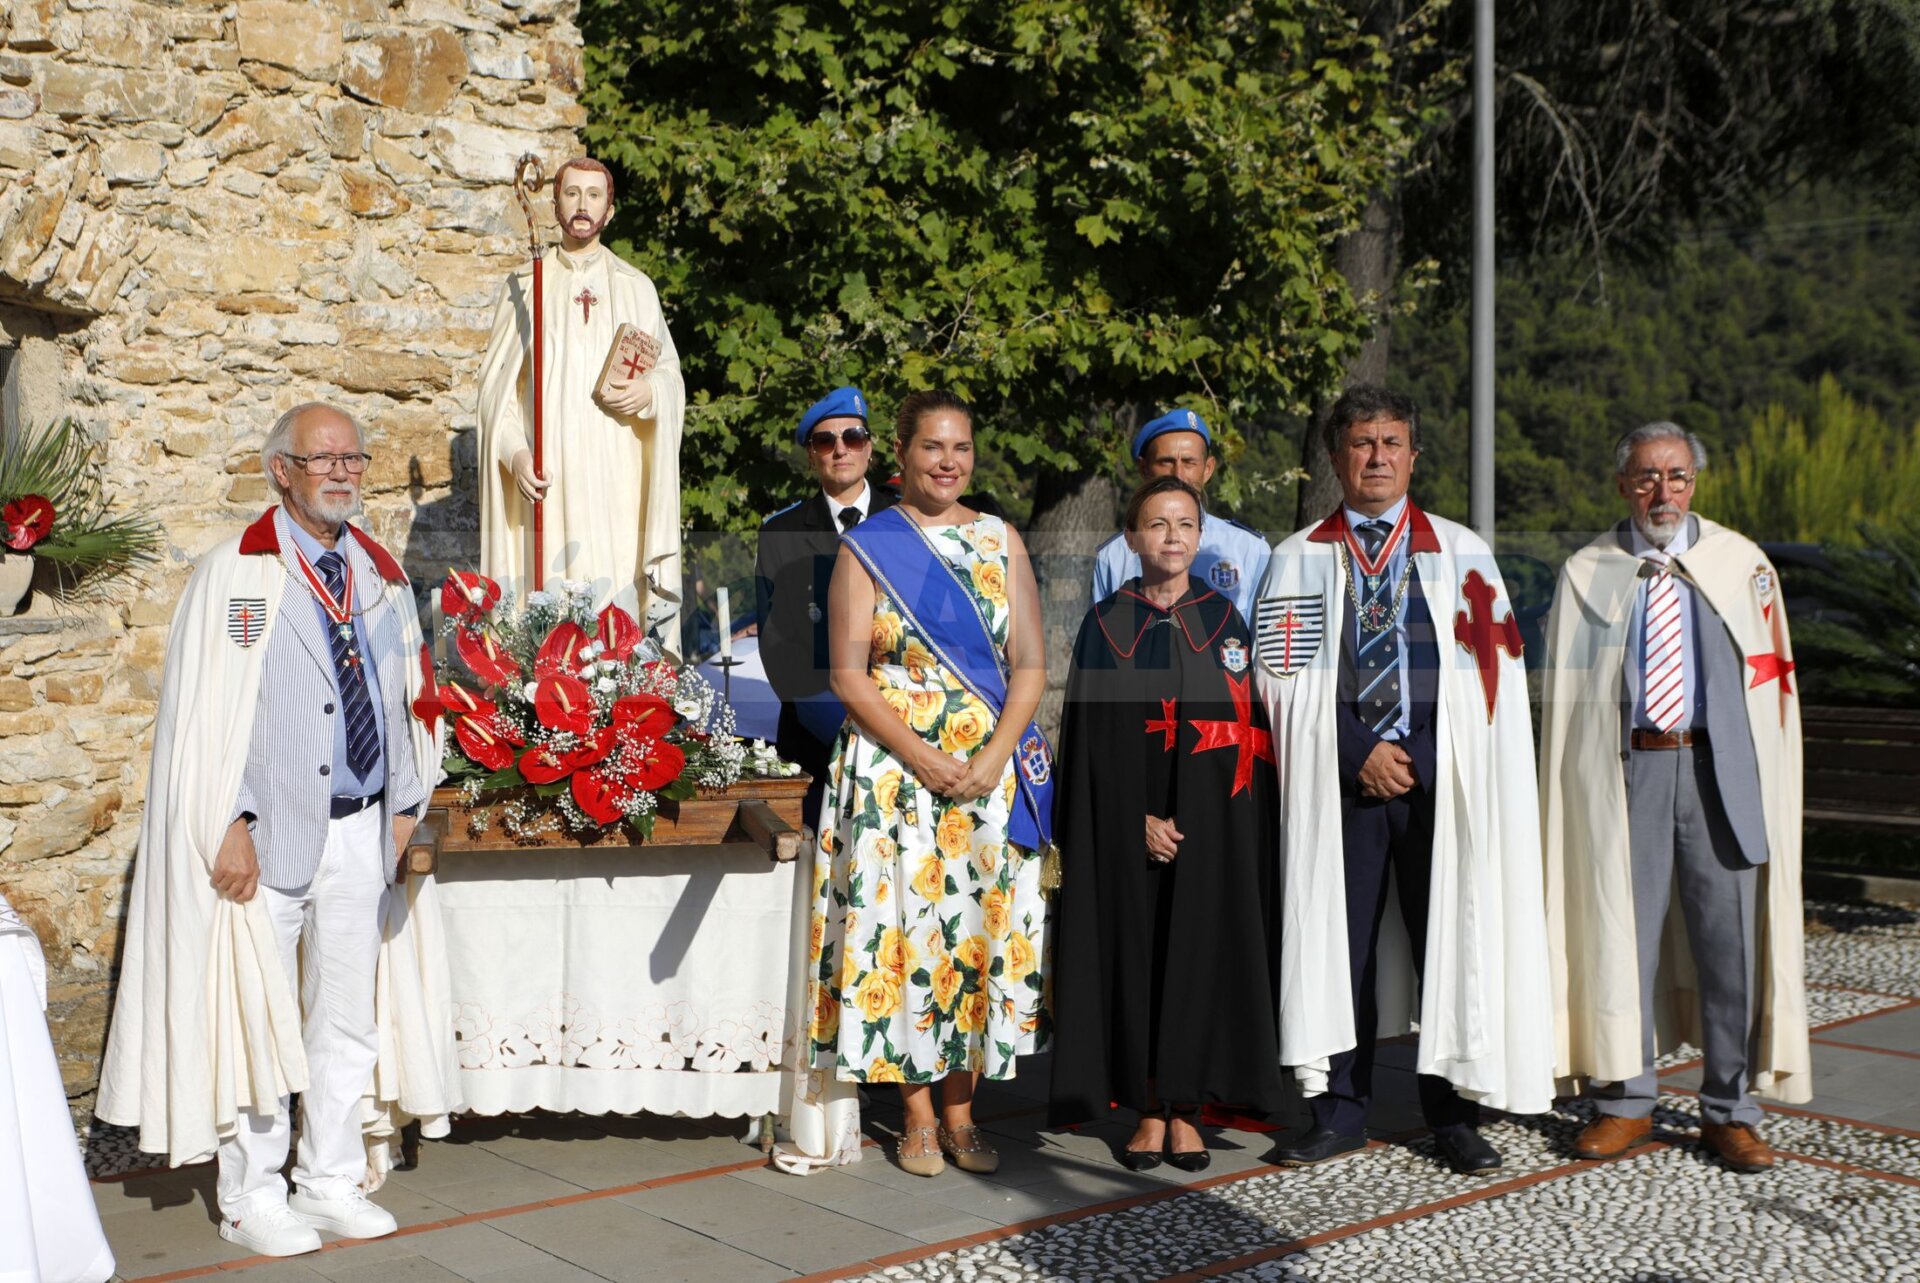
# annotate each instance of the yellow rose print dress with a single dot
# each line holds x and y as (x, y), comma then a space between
(929, 929)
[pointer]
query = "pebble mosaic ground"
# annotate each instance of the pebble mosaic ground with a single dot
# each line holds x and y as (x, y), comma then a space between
(1842, 1204)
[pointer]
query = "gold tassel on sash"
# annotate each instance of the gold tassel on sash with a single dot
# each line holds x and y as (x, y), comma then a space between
(1049, 869)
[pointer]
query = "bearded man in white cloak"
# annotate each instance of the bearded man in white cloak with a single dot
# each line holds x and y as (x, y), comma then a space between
(1670, 783)
(268, 951)
(611, 479)
(1389, 660)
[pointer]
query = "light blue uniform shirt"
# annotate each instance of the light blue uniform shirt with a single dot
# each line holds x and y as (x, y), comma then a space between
(1232, 561)
(1395, 567)
(345, 782)
(1693, 708)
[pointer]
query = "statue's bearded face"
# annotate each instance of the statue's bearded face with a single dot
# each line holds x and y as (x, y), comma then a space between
(582, 201)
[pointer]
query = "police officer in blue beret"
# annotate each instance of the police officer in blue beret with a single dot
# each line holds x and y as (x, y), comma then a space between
(1232, 559)
(792, 569)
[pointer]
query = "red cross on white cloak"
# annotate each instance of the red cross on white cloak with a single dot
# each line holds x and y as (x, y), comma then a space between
(1774, 664)
(1253, 743)
(1476, 629)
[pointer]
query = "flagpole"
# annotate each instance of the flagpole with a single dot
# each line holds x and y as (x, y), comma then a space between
(526, 175)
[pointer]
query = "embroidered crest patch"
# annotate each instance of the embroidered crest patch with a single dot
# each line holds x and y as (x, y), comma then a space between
(1763, 585)
(1233, 655)
(1224, 575)
(1035, 764)
(246, 620)
(1287, 632)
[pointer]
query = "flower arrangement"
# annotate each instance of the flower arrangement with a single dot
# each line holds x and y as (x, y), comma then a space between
(53, 506)
(581, 710)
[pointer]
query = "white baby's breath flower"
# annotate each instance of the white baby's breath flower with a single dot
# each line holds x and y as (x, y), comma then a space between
(539, 597)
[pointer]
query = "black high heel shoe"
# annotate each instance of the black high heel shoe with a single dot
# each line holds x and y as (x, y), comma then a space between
(1187, 1160)
(1142, 1160)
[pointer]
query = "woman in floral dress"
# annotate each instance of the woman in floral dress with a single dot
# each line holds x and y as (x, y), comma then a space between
(928, 942)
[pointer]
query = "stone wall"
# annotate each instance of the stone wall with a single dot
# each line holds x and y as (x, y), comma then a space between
(210, 212)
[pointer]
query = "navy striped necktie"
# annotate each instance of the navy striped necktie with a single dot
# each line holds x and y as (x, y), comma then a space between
(1381, 696)
(363, 735)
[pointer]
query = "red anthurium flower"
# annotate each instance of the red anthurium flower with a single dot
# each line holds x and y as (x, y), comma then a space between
(562, 651)
(619, 632)
(26, 521)
(594, 748)
(484, 656)
(428, 705)
(482, 744)
(465, 593)
(599, 796)
(656, 766)
(543, 766)
(462, 702)
(643, 717)
(562, 704)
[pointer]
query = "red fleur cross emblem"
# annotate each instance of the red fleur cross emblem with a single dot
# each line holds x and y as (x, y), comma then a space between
(1252, 743)
(586, 298)
(1476, 629)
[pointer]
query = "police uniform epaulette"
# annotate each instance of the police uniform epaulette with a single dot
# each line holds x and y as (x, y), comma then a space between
(783, 512)
(1109, 541)
(1241, 525)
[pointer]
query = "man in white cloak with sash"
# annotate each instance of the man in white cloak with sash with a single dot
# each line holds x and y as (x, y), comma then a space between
(611, 479)
(1671, 794)
(268, 951)
(1389, 660)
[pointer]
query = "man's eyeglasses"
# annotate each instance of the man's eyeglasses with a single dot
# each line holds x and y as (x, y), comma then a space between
(1680, 479)
(320, 465)
(823, 439)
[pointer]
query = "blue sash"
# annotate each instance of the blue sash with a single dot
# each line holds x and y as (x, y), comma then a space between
(926, 589)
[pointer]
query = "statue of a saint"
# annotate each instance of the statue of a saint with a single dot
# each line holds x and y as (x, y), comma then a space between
(611, 454)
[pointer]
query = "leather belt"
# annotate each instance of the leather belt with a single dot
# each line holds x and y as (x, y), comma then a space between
(1645, 740)
(346, 806)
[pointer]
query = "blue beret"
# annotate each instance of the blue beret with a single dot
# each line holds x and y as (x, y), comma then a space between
(841, 403)
(1175, 421)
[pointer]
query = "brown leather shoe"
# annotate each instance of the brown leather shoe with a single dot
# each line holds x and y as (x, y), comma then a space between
(1610, 1137)
(1738, 1145)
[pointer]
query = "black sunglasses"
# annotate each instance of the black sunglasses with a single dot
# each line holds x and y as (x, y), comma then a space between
(823, 439)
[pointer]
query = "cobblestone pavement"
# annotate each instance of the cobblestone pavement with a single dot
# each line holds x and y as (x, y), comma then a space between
(653, 1199)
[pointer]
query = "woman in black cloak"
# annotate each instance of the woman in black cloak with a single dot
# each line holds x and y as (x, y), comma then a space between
(1163, 970)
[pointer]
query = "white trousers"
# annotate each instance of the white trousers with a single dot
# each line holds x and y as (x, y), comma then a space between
(49, 1228)
(329, 935)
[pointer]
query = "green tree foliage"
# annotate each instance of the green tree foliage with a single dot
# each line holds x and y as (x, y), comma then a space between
(1862, 645)
(1815, 482)
(1066, 210)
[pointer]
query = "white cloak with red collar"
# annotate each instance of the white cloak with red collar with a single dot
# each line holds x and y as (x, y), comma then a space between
(205, 1021)
(1485, 1013)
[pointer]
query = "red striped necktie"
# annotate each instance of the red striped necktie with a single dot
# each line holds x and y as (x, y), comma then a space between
(1665, 676)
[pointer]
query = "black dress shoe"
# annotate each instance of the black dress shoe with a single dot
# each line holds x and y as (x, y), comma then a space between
(1139, 1160)
(1317, 1146)
(1466, 1151)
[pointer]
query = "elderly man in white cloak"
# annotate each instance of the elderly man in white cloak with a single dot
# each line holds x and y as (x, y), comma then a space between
(610, 489)
(1670, 787)
(268, 950)
(1389, 659)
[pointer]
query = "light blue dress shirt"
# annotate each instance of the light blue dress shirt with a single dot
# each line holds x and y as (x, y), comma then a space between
(1396, 566)
(345, 782)
(1693, 707)
(1232, 560)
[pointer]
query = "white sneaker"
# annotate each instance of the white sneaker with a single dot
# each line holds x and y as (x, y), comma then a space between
(276, 1231)
(352, 1216)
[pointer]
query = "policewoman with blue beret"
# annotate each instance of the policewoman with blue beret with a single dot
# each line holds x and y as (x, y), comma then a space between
(792, 568)
(1232, 559)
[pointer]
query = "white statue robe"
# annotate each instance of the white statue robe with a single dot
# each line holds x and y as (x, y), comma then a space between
(1484, 1011)
(205, 1020)
(49, 1228)
(1583, 794)
(614, 506)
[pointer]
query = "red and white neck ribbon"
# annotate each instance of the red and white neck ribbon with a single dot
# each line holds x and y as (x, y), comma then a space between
(339, 611)
(1373, 567)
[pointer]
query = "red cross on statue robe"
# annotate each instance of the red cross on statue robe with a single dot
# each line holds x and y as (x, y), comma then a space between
(1252, 743)
(1167, 724)
(635, 365)
(586, 298)
(1476, 629)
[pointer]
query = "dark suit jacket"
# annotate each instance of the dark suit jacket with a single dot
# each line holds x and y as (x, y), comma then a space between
(1356, 737)
(792, 570)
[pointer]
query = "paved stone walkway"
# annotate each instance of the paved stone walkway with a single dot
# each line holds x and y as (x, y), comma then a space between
(643, 1199)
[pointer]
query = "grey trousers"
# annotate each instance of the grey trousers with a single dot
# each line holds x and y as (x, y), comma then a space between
(1681, 844)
